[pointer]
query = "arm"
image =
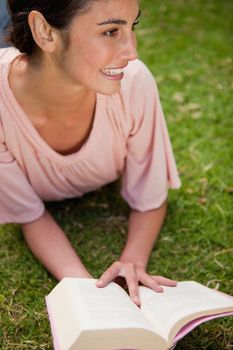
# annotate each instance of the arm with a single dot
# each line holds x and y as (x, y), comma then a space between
(149, 170)
(143, 231)
(51, 246)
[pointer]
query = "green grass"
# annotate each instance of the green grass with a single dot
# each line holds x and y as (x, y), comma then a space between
(188, 47)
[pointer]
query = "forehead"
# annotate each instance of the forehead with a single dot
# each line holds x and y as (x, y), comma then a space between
(102, 10)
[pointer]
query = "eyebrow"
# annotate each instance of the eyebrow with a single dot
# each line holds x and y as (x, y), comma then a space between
(118, 21)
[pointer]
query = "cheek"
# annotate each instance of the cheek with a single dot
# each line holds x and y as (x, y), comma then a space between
(85, 58)
(98, 58)
(97, 53)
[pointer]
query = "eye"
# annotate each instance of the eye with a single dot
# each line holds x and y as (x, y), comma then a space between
(111, 33)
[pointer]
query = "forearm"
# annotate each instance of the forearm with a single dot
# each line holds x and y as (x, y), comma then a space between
(51, 246)
(143, 231)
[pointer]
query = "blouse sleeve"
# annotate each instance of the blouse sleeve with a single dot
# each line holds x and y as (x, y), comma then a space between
(150, 167)
(18, 201)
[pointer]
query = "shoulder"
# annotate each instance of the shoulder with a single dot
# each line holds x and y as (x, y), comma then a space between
(8, 54)
(138, 89)
(138, 74)
(138, 84)
(137, 98)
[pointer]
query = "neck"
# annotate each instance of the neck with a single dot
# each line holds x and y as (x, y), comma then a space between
(53, 94)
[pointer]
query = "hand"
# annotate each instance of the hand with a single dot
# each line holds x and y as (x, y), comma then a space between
(133, 275)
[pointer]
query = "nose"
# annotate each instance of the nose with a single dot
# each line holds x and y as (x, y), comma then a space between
(129, 48)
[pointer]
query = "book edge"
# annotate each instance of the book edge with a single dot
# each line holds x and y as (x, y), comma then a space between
(56, 342)
(190, 326)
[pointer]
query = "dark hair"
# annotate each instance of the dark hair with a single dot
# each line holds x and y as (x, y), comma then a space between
(58, 13)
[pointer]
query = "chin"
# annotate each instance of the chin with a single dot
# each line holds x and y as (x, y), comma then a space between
(110, 90)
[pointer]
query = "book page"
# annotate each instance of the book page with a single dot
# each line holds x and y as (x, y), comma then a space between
(83, 316)
(106, 308)
(177, 303)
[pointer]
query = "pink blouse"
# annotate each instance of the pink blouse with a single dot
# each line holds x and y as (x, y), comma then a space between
(129, 139)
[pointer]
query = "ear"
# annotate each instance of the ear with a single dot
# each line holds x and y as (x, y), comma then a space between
(43, 34)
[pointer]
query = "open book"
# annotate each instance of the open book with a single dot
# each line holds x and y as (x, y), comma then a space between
(84, 317)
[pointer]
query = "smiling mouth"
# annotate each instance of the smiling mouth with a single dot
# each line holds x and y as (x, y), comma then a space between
(112, 72)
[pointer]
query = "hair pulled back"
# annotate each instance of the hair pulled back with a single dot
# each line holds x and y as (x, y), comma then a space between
(58, 13)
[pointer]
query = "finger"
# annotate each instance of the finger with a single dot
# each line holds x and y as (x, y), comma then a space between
(150, 282)
(132, 283)
(109, 275)
(164, 281)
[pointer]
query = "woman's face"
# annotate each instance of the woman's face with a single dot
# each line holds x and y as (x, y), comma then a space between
(101, 44)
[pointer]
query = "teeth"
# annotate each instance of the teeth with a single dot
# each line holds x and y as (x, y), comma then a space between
(112, 72)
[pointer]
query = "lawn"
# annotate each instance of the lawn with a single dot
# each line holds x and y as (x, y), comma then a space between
(188, 46)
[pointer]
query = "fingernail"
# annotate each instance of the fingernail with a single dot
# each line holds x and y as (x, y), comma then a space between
(136, 300)
(159, 289)
(100, 283)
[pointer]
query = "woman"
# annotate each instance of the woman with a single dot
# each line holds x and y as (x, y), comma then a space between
(79, 110)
